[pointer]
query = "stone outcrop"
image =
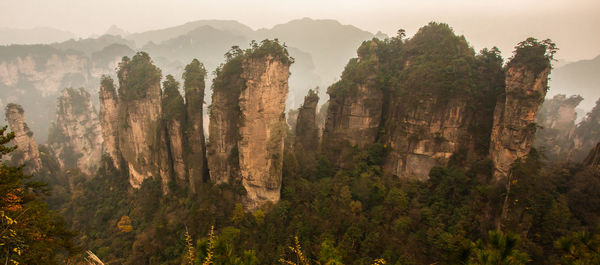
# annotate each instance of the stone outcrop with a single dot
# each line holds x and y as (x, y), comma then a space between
(262, 104)
(139, 116)
(247, 121)
(514, 117)
(75, 136)
(355, 108)
(557, 120)
(173, 122)
(195, 147)
(225, 119)
(109, 119)
(307, 128)
(586, 135)
(27, 150)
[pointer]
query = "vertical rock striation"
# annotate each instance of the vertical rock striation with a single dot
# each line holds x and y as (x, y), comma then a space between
(355, 105)
(139, 117)
(27, 152)
(307, 128)
(225, 116)
(76, 136)
(173, 122)
(109, 119)
(262, 104)
(195, 147)
(247, 121)
(514, 117)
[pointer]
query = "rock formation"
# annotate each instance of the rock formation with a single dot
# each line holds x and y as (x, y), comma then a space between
(75, 136)
(195, 148)
(355, 106)
(139, 116)
(307, 128)
(27, 150)
(514, 117)
(586, 135)
(109, 119)
(262, 104)
(225, 119)
(247, 121)
(557, 118)
(173, 123)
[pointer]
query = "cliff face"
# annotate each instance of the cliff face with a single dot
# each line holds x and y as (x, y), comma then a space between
(173, 122)
(262, 104)
(109, 119)
(225, 116)
(195, 148)
(586, 135)
(355, 108)
(247, 121)
(514, 118)
(76, 136)
(593, 158)
(139, 117)
(307, 128)
(557, 117)
(27, 152)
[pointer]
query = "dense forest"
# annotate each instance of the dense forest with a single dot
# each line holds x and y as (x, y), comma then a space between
(338, 204)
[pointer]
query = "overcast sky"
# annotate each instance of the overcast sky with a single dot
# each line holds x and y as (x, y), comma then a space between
(572, 24)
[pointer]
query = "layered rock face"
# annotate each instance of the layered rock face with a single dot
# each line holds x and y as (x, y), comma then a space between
(514, 118)
(557, 117)
(262, 104)
(139, 117)
(307, 128)
(109, 119)
(27, 152)
(195, 147)
(593, 158)
(586, 135)
(76, 136)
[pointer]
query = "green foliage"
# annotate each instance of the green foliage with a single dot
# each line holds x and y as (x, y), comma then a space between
(136, 76)
(533, 54)
(29, 232)
(173, 107)
(500, 249)
(269, 48)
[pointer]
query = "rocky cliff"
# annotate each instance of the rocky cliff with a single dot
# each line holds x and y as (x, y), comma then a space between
(139, 113)
(109, 119)
(75, 136)
(247, 121)
(307, 128)
(557, 120)
(225, 119)
(514, 117)
(355, 105)
(27, 152)
(593, 158)
(262, 105)
(430, 100)
(174, 122)
(195, 147)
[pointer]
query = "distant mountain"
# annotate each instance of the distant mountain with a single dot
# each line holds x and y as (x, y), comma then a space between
(91, 45)
(116, 31)
(578, 78)
(33, 36)
(158, 36)
(330, 43)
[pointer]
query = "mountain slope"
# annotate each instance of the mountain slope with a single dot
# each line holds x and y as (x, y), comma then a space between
(578, 78)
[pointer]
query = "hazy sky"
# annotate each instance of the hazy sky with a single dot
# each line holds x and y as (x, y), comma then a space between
(572, 24)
